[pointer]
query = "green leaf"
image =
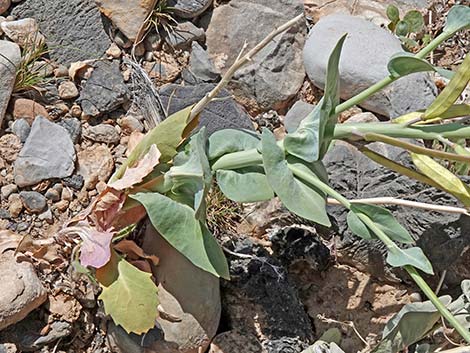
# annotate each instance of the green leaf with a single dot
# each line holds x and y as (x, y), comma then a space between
(177, 223)
(412, 323)
(415, 21)
(393, 14)
(129, 295)
(167, 135)
(443, 177)
(385, 220)
(229, 140)
(331, 335)
(402, 28)
(412, 256)
(357, 227)
(458, 18)
(303, 200)
(451, 92)
(309, 142)
(402, 64)
(191, 175)
(244, 185)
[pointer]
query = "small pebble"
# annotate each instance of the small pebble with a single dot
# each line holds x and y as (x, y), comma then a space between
(46, 216)
(68, 90)
(61, 71)
(62, 205)
(16, 206)
(53, 195)
(114, 51)
(75, 181)
(130, 124)
(4, 214)
(21, 128)
(415, 297)
(33, 201)
(102, 133)
(21, 227)
(7, 190)
(76, 111)
(67, 194)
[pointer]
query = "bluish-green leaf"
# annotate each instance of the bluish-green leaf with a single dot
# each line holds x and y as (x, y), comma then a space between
(415, 21)
(309, 142)
(301, 199)
(402, 64)
(393, 14)
(385, 220)
(402, 29)
(244, 185)
(177, 223)
(357, 227)
(191, 174)
(458, 18)
(413, 256)
(229, 140)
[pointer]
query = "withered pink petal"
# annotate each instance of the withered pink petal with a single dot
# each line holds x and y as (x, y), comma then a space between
(96, 248)
(136, 174)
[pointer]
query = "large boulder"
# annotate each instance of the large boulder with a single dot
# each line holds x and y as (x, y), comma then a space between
(47, 153)
(364, 59)
(275, 74)
(10, 57)
(73, 29)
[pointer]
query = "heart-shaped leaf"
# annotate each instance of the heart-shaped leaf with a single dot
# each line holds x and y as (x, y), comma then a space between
(412, 256)
(415, 21)
(402, 64)
(129, 295)
(244, 185)
(177, 223)
(298, 197)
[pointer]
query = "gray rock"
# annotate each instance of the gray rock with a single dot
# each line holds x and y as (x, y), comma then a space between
(10, 57)
(47, 153)
(22, 292)
(73, 28)
(276, 73)
(122, 342)
(73, 127)
(33, 201)
(444, 237)
(201, 68)
(189, 8)
(364, 59)
(102, 133)
(183, 35)
(4, 214)
(21, 129)
(220, 114)
(105, 89)
(7, 190)
(296, 114)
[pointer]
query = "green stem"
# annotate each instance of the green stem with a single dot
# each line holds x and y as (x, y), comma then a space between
(391, 246)
(433, 45)
(437, 303)
(237, 160)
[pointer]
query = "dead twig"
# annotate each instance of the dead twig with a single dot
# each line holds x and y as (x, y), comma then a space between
(199, 107)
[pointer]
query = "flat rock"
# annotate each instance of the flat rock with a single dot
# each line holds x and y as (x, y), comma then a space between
(276, 73)
(22, 292)
(28, 109)
(104, 91)
(33, 201)
(219, 114)
(24, 32)
(47, 153)
(183, 35)
(201, 68)
(364, 59)
(127, 15)
(73, 29)
(189, 8)
(10, 57)
(102, 133)
(95, 164)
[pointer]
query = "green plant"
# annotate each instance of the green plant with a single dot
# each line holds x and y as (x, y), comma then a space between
(412, 22)
(161, 18)
(169, 173)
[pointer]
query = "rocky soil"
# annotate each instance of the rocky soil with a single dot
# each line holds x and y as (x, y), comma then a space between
(79, 78)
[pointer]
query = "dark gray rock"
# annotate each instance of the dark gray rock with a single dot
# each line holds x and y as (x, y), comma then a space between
(219, 114)
(122, 342)
(201, 68)
(21, 129)
(73, 127)
(276, 73)
(105, 89)
(73, 28)
(10, 56)
(33, 201)
(183, 35)
(102, 133)
(259, 300)
(4, 214)
(364, 59)
(444, 237)
(47, 153)
(75, 182)
(189, 8)
(296, 114)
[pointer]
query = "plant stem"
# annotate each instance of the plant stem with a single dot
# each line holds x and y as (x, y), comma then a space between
(237, 160)
(437, 303)
(433, 45)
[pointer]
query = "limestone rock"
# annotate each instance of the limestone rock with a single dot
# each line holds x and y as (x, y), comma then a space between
(10, 57)
(102, 133)
(47, 153)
